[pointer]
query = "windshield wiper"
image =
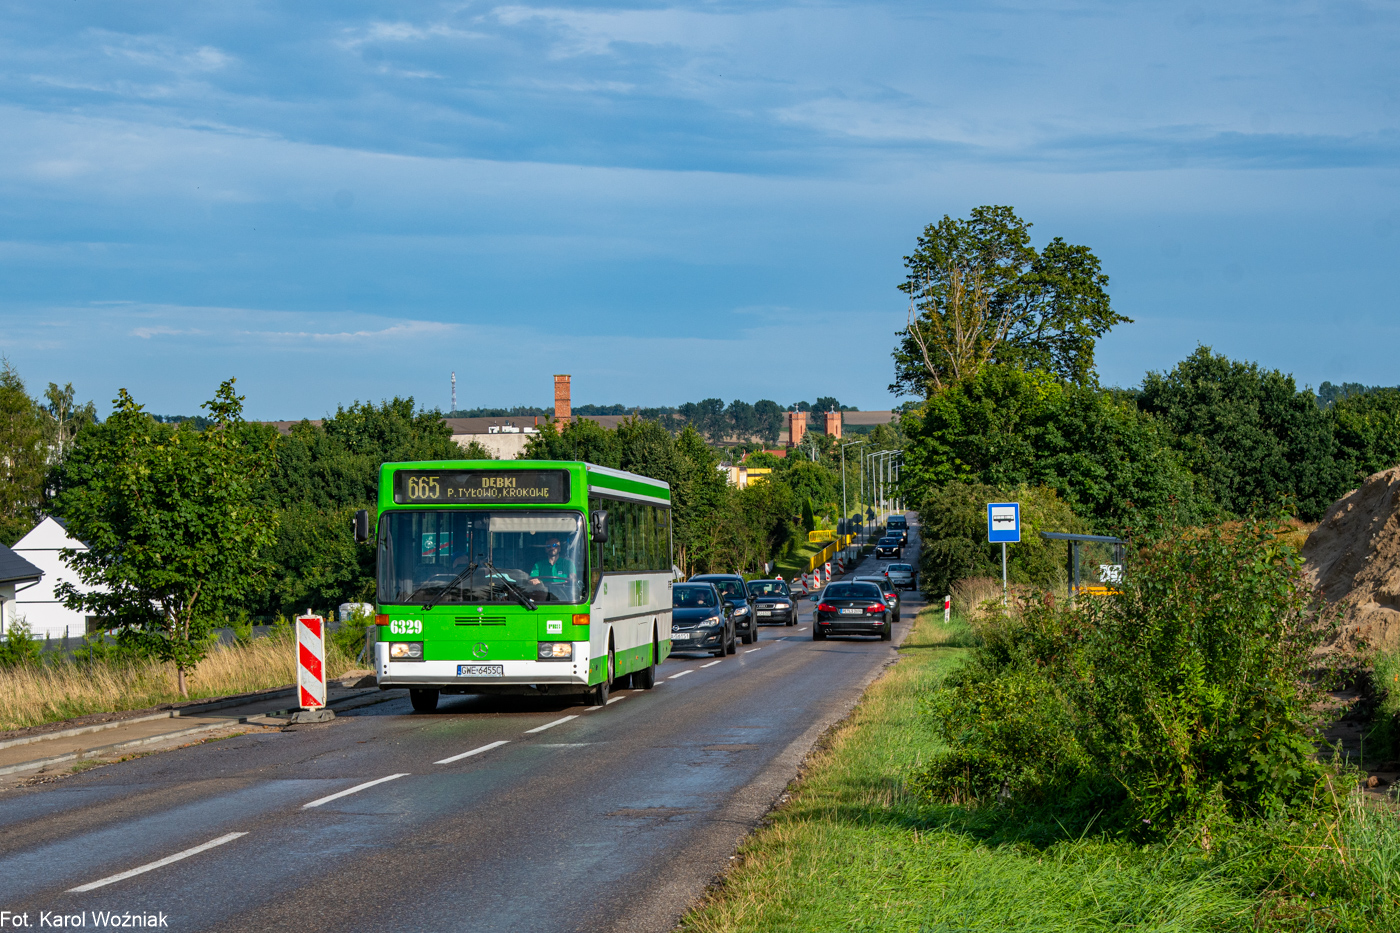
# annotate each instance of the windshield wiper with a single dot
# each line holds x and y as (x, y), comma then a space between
(511, 588)
(466, 571)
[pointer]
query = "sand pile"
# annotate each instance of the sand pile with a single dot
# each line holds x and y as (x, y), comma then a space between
(1354, 555)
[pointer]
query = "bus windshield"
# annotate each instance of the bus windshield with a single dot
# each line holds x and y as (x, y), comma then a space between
(476, 556)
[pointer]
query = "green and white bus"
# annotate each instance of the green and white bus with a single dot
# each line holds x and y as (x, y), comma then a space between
(522, 577)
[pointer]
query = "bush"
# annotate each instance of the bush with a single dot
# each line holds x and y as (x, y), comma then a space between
(18, 647)
(1184, 693)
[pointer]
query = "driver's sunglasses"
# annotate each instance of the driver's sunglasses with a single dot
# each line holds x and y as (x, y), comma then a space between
(552, 547)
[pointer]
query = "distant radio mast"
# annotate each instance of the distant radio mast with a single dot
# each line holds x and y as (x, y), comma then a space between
(454, 391)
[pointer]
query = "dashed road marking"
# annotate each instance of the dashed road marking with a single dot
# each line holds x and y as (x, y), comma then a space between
(550, 725)
(752, 650)
(475, 751)
(713, 663)
(352, 790)
(101, 882)
(613, 700)
(681, 674)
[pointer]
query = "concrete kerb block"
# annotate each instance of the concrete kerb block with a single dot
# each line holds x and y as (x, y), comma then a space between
(306, 717)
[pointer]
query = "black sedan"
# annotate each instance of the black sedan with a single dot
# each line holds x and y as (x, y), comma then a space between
(890, 591)
(699, 621)
(889, 546)
(732, 589)
(772, 602)
(852, 609)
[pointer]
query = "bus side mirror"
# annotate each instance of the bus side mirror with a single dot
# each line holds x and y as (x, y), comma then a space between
(361, 526)
(599, 521)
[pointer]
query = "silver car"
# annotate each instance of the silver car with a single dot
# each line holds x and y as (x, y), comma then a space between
(901, 575)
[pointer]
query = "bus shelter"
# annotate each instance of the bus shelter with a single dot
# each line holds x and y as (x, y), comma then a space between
(1094, 562)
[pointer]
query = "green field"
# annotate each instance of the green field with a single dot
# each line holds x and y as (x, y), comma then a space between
(851, 850)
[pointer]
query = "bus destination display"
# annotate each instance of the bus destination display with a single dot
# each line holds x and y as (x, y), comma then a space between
(412, 487)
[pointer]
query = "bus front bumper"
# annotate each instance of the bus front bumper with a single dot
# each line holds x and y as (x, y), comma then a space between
(489, 676)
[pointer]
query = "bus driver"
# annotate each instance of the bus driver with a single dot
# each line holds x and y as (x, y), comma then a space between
(554, 569)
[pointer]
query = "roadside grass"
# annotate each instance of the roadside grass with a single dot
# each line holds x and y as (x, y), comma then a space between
(853, 850)
(796, 565)
(32, 695)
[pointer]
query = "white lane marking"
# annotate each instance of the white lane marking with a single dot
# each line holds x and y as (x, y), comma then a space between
(713, 663)
(803, 629)
(589, 709)
(550, 725)
(353, 790)
(475, 751)
(681, 674)
(613, 700)
(752, 650)
(157, 864)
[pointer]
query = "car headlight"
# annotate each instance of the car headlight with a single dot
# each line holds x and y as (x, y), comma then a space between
(713, 622)
(780, 606)
(556, 651)
(405, 651)
(742, 610)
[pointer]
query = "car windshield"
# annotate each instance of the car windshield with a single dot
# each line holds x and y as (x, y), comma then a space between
(475, 556)
(731, 589)
(693, 597)
(767, 588)
(852, 591)
(905, 567)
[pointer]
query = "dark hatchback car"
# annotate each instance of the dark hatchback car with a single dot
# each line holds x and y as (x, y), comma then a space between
(889, 546)
(890, 591)
(852, 609)
(772, 602)
(699, 621)
(731, 588)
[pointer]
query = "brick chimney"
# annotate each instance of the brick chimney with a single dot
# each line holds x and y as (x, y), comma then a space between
(561, 401)
(797, 427)
(833, 424)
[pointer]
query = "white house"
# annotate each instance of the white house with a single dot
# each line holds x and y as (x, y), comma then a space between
(41, 608)
(16, 576)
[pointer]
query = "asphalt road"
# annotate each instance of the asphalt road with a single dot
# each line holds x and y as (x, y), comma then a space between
(491, 814)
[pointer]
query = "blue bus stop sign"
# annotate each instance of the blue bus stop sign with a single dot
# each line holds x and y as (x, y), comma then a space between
(1004, 522)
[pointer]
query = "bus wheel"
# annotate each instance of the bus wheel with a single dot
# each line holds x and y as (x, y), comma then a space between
(645, 679)
(424, 700)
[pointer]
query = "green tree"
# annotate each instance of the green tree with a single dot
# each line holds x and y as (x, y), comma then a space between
(1367, 430)
(64, 418)
(320, 474)
(176, 535)
(1112, 464)
(953, 532)
(1035, 309)
(24, 456)
(769, 420)
(1248, 433)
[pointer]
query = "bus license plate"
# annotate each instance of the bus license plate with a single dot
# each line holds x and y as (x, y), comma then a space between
(851, 612)
(481, 670)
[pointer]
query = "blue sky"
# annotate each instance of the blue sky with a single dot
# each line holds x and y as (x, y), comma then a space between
(340, 201)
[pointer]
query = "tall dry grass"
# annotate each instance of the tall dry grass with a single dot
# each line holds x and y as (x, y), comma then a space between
(31, 696)
(974, 597)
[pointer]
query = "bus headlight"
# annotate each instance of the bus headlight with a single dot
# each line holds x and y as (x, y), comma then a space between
(556, 651)
(405, 651)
